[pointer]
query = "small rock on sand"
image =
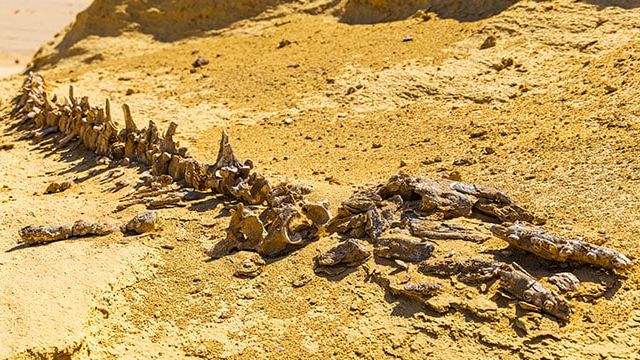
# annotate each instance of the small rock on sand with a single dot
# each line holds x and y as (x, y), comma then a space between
(143, 222)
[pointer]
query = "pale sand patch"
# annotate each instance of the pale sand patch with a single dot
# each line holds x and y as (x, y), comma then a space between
(26, 25)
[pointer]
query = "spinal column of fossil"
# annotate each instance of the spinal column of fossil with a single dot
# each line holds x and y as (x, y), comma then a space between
(286, 219)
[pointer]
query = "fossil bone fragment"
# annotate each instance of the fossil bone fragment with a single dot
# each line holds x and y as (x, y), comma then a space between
(56, 187)
(85, 228)
(316, 212)
(565, 281)
(468, 271)
(446, 232)
(549, 246)
(419, 291)
(49, 233)
(348, 253)
(167, 201)
(400, 245)
(285, 227)
(120, 184)
(495, 203)
(44, 233)
(512, 278)
(525, 287)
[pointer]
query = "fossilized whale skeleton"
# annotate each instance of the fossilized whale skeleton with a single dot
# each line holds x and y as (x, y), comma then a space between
(272, 219)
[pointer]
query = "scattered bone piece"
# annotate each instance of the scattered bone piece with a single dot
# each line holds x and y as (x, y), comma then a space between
(517, 282)
(316, 212)
(446, 233)
(495, 203)
(513, 279)
(130, 203)
(56, 187)
(167, 201)
(438, 196)
(348, 253)
(420, 291)
(549, 246)
(143, 222)
(149, 192)
(468, 271)
(359, 217)
(401, 245)
(85, 228)
(48, 233)
(115, 173)
(250, 268)
(44, 234)
(121, 184)
(565, 281)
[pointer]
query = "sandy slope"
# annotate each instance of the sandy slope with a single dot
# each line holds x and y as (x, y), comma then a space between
(556, 99)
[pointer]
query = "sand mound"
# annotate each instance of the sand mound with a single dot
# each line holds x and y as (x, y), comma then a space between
(373, 11)
(166, 20)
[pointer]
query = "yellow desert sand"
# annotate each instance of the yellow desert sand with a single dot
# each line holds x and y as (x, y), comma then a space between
(323, 179)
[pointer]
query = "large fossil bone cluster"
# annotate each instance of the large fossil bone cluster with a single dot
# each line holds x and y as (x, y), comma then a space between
(402, 218)
(405, 215)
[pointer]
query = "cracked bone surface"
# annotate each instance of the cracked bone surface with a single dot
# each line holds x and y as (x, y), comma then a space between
(549, 246)
(519, 283)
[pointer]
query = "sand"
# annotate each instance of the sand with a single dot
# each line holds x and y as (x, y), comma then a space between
(27, 25)
(554, 98)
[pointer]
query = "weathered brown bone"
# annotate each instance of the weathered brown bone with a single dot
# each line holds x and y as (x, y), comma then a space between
(549, 246)
(348, 253)
(44, 234)
(56, 187)
(400, 245)
(286, 229)
(49, 233)
(513, 279)
(525, 287)
(446, 232)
